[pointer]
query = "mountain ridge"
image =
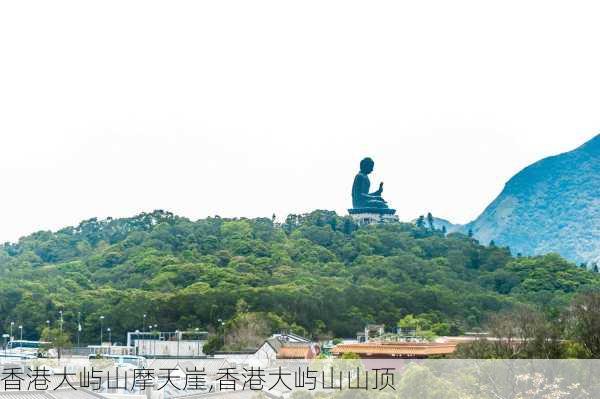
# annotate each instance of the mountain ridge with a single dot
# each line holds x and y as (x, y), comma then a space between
(551, 205)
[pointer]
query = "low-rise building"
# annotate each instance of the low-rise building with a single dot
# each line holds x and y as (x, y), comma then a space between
(279, 346)
(168, 344)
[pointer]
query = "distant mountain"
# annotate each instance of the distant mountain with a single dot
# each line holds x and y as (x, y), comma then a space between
(552, 205)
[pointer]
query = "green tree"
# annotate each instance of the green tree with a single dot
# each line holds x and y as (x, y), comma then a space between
(430, 221)
(57, 339)
(584, 317)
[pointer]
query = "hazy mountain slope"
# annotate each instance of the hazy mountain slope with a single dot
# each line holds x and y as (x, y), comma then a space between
(552, 205)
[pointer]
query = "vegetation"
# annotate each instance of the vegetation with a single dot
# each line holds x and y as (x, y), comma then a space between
(315, 274)
(525, 333)
(550, 206)
(56, 339)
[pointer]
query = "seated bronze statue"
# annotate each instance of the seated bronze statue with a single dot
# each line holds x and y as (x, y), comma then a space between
(361, 198)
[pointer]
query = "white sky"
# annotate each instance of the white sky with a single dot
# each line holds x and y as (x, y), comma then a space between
(245, 108)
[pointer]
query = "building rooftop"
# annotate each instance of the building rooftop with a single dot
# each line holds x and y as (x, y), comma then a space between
(396, 349)
(294, 352)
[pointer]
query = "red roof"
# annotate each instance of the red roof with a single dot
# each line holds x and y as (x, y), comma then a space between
(407, 349)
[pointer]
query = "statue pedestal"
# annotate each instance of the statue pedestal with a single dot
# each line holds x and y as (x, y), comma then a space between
(365, 216)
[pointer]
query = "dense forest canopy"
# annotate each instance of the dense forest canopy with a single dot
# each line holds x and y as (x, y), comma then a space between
(317, 274)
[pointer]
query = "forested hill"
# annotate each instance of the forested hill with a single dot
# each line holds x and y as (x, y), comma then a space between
(552, 205)
(316, 274)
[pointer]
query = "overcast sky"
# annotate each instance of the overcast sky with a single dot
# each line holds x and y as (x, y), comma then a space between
(250, 108)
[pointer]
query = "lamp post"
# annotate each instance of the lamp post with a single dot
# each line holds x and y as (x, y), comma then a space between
(47, 330)
(151, 345)
(177, 334)
(12, 323)
(109, 340)
(101, 319)
(198, 340)
(61, 321)
(21, 328)
(144, 322)
(60, 312)
(157, 337)
(78, 327)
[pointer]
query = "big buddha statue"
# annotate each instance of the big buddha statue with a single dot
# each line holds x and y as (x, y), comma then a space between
(366, 205)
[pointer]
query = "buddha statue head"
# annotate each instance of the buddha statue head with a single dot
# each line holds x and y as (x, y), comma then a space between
(366, 165)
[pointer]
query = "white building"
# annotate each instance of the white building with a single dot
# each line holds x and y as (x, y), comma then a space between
(167, 344)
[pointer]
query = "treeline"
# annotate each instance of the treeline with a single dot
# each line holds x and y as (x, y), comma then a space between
(525, 333)
(317, 274)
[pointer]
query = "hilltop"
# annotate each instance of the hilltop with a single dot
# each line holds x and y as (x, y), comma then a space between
(316, 274)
